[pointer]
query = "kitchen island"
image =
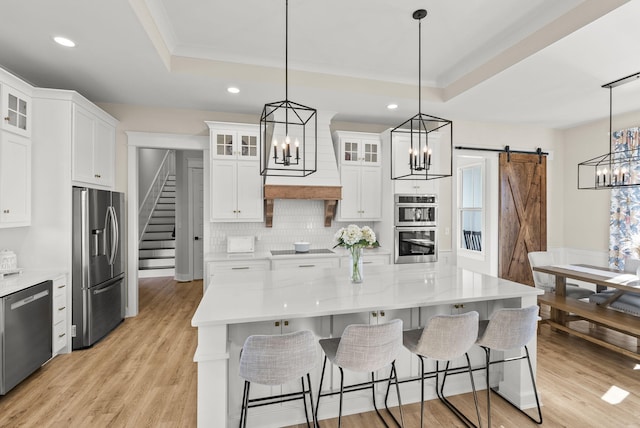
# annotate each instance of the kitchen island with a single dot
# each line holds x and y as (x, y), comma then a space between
(237, 304)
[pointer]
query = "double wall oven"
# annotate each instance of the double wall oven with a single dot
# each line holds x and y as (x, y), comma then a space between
(415, 218)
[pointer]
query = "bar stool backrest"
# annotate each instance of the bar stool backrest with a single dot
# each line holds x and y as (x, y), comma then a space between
(446, 337)
(542, 280)
(510, 328)
(278, 359)
(367, 348)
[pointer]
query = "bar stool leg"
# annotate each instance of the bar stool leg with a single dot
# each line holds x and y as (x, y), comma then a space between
(473, 388)
(373, 397)
(324, 365)
(487, 352)
(341, 394)
(395, 372)
(421, 391)
(245, 405)
(315, 422)
(394, 375)
(304, 401)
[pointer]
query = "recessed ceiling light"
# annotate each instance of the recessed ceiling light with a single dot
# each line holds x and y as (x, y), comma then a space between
(64, 42)
(392, 106)
(233, 90)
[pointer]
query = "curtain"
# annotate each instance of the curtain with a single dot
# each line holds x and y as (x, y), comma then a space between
(624, 224)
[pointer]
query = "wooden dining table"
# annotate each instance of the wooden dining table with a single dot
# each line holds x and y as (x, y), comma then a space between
(565, 309)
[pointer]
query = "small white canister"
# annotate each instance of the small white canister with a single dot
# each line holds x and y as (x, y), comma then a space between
(8, 261)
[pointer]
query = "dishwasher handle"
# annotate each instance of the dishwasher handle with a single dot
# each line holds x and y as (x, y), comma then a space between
(29, 299)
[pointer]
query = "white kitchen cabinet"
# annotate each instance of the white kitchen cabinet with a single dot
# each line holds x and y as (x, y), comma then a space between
(93, 149)
(360, 176)
(236, 191)
(236, 183)
(234, 141)
(419, 187)
(60, 315)
(358, 148)
(215, 267)
(303, 262)
(16, 110)
(15, 180)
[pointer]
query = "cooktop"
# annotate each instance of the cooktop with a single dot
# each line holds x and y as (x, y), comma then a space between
(312, 251)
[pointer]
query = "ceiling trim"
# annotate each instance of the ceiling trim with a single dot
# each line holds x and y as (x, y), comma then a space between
(584, 14)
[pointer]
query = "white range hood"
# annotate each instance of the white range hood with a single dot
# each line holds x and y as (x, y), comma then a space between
(324, 184)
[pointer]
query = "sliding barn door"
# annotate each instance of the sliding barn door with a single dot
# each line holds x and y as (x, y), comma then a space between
(523, 214)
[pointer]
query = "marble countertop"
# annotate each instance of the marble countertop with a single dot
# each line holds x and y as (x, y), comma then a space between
(266, 255)
(18, 282)
(240, 297)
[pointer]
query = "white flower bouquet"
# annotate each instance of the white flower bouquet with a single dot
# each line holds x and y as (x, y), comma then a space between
(353, 236)
(355, 239)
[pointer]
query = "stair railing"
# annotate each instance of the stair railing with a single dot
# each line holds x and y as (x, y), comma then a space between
(166, 168)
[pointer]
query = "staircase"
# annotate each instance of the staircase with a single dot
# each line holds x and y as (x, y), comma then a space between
(157, 253)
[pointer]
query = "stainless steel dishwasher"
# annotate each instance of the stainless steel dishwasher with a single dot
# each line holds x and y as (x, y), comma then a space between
(25, 333)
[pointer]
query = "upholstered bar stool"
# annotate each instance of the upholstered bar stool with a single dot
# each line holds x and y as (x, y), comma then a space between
(364, 348)
(444, 338)
(276, 360)
(509, 329)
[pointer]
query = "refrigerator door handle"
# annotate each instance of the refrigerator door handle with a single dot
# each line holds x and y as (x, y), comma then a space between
(106, 250)
(107, 288)
(111, 221)
(116, 233)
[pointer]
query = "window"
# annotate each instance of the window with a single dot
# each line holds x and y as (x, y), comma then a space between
(470, 207)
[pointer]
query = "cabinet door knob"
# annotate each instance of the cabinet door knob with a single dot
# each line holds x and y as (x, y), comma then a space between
(7, 118)
(277, 323)
(62, 308)
(286, 323)
(381, 313)
(374, 314)
(62, 335)
(62, 286)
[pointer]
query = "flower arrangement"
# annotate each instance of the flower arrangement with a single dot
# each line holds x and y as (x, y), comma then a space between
(355, 239)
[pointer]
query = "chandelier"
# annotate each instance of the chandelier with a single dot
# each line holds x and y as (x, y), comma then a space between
(620, 167)
(288, 131)
(425, 141)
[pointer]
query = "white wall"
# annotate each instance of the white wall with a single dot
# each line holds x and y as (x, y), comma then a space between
(149, 160)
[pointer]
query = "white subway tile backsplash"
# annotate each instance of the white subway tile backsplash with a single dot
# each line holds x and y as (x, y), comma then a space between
(293, 220)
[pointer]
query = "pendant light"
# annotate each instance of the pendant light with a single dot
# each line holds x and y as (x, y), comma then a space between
(422, 146)
(618, 168)
(288, 131)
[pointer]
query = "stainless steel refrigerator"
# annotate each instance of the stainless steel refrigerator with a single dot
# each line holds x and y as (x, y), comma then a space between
(98, 264)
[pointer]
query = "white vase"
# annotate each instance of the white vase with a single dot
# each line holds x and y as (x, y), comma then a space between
(356, 273)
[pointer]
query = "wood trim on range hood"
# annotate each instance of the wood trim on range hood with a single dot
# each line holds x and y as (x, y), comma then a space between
(329, 194)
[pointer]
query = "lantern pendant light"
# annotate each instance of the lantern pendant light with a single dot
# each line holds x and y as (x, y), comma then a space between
(422, 137)
(620, 167)
(288, 131)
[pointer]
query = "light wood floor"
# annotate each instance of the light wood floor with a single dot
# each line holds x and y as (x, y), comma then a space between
(143, 375)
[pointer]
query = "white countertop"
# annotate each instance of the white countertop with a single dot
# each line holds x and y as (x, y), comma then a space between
(240, 297)
(266, 255)
(18, 282)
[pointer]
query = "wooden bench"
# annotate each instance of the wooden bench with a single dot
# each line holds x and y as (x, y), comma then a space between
(610, 318)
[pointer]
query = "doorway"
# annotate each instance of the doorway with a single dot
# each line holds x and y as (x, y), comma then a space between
(135, 141)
